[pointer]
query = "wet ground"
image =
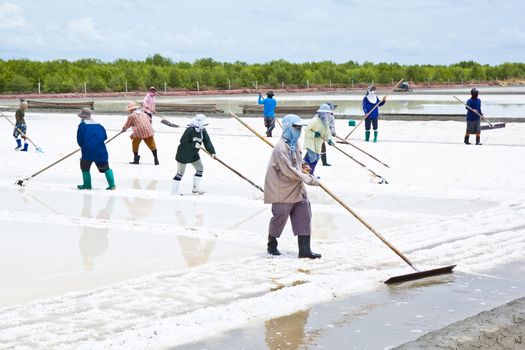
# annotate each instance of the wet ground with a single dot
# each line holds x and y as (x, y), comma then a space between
(381, 319)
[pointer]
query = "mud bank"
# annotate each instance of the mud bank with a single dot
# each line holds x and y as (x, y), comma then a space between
(500, 328)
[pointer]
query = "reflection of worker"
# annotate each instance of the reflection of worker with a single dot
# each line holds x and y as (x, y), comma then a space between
(140, 207)
(94, 241)
(286, 332)
(194, 250)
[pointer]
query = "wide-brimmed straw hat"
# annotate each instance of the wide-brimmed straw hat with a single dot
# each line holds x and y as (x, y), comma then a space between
(132, 106)
(152, 88)
(85, 113)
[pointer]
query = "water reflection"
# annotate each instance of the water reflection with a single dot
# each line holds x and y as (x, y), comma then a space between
(195, 251)
(94, 241)
(141, 207)
(287, 332)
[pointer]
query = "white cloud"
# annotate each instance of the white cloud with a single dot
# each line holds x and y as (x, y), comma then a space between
(84, 29)
(12, 16)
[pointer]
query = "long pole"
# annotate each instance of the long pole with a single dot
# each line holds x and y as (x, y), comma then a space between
(21, 182)
(368, 154)
(473, 110)
(338, 200)
(21, 133)
(369, 112)
(235, 171)
(383, 180)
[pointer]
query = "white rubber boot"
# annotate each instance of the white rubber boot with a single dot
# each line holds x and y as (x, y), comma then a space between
(197, 185)
(175, 187)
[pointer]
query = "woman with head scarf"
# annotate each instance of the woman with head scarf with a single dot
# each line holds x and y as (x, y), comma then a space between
(284, 189)
(90, 137)
(315, 134)
(191, 141)
(370, 101)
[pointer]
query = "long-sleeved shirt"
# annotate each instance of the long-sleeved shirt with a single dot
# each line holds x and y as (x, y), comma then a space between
(269, 106)
(316, 125)
(148, 105)
(190, 144)
(475, 104)
(284, 178)
(90, 137)
(140, 124)
(368, 106)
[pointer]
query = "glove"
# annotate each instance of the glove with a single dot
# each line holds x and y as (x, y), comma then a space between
(306, 168)
(330, 142)
(317, 134)
(124, 129)
(314, 181)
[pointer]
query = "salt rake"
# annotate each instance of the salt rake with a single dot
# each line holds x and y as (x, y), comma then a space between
(396, 279)
(483, 127)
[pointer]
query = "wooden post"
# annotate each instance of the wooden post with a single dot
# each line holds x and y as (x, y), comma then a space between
(126, 86)
(39, 86)
(229, 84)
(198, 88)
(85, 88)
(165, 87)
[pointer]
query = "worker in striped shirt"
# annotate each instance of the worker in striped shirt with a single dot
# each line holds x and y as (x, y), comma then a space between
(142, 130)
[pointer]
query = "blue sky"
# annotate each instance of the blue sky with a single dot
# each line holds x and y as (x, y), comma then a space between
(407, 32)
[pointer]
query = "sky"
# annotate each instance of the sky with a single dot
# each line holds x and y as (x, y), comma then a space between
(404, 31)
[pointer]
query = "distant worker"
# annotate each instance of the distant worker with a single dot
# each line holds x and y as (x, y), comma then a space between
(142, 130)
(331, 118)
(149, 103)
(369, 102)
(473, 119)
(188, 152)
(21, 127)
(315, 134)
(90, 137)
(284, 189)
(269, 111)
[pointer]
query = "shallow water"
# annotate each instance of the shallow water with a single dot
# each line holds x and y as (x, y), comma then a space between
(380, 319)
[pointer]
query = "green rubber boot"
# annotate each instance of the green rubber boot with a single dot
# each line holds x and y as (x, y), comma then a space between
(86, 176)
(367, 135)
(375, 136)
(111, 179)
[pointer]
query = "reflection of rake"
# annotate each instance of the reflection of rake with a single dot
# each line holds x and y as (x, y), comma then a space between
(21, 133)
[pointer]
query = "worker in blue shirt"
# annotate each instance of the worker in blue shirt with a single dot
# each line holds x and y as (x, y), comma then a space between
(369, 102)
(473, 119)
(269, 111)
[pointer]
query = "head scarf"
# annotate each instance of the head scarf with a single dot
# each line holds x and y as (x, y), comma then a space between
(290, 134)
(199, 122)
(371, 94)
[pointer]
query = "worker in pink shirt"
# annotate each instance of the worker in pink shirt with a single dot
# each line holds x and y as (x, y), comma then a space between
(148, 105)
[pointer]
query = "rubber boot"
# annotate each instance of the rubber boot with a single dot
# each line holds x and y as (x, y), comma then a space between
(25, 147)
(136, 159)
(375, 136)
(155, 159)
(323, 159)
(304, 248)
(19, 144)
(478, 140)
(175, 187)
(466, 139)
(111, 180)
(86, 177)
(197, 185)
(272, 246)
(367, 135)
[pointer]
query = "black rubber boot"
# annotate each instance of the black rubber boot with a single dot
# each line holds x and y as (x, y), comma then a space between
(478, 140)
(272, 246)
(304, 248)
(136, 159)
(155, 159)
(466, 140)
(323, 159)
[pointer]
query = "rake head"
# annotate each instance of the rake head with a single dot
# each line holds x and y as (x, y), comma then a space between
(19, 182)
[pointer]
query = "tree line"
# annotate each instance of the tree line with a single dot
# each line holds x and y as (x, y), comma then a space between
(92, 75)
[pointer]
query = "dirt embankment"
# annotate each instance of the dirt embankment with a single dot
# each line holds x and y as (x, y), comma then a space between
(502, 328)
